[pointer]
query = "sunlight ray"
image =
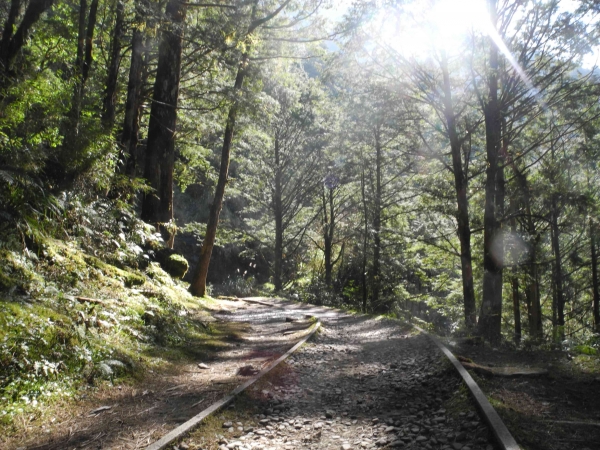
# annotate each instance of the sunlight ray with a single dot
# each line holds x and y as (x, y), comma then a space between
(499, 42)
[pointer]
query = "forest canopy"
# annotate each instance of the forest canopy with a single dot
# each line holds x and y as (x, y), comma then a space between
(436, 159)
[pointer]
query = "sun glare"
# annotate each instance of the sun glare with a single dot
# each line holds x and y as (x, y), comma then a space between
(425, 26)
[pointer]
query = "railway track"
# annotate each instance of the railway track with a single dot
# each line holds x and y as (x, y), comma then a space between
(360, 383)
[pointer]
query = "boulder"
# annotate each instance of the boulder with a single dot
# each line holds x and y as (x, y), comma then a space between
(172, 262)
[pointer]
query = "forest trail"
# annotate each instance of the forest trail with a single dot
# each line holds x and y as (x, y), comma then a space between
(361, 382)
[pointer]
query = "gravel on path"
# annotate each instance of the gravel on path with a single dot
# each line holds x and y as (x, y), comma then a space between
(362, 383)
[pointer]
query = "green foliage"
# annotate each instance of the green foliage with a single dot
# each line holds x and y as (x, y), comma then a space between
(316, 292)
(17, 272)
(226, 235)
(266, 289)
(352, 291)
(585, 350)
(321, 144)
(78, 321)
(38, 345)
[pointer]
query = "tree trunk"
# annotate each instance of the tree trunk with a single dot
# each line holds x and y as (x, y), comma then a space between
(528, 304)
(89, 42)
(462, 214)
(7, 34)
(73, 159)
(515, 283)
(554, 306)
(536, 328)
(491, 308)
(532, 292)
(376, 284)
(80, 37)
(365, 242)
(198, 285)
(110, 98)
(12, 43)
(278, 212)
(329, 230)
(595, 289)
(558, 274)
(83, 63)
(77, 72)
(157, 206)
(129, 139)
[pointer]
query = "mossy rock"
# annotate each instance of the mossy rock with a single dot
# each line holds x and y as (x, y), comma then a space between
(176, 266)
(172, 262)
(156, 272)
(133, 279)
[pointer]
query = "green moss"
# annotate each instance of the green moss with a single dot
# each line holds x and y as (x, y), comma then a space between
(133, 279)
(83, 325)
(130, 278)
(5, 281)
(156, 272)
(586, 350)
(268, 288)
(176, 266)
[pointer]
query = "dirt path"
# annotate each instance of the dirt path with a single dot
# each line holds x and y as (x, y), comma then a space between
(361, 383)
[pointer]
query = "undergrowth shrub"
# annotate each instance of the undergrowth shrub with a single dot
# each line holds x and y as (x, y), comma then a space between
(17, 272)
(236, 285)
(167, 322)
(318, 293)
(44, 350)
(85, 307)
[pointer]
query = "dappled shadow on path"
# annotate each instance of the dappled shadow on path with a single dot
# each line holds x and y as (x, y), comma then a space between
(362, 383)
(356, 379)
(556, 411)
(131, 416)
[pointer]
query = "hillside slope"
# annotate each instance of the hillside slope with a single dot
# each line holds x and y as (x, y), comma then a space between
(89, 309)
